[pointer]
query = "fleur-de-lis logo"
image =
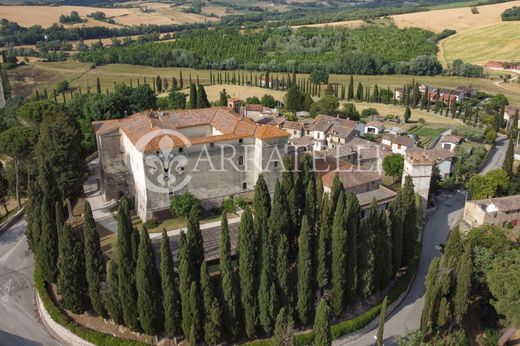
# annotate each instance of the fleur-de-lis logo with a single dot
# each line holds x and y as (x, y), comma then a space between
(164, 165)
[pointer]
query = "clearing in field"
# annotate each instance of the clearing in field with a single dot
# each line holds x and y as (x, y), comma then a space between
(48, 15)
(496, 42)
(460, 19)
(430, 118)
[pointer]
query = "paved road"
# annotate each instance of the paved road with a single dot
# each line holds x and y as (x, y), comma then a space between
(407, 315)
(497, 156)
(17, 323)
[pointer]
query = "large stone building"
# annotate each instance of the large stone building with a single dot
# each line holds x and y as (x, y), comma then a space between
(501, 211)
(419, 166)
(212, 153)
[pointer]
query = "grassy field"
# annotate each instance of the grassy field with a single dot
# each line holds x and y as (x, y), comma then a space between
(48, 15)
(460, 19)
(431, 119)
(496, 42)
(39, 75)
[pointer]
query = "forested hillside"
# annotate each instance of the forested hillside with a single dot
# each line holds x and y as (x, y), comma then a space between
(366, 50)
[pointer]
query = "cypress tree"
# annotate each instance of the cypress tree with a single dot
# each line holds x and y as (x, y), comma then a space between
(463, 288)
(509, 158)
(195, 312)
(453, 250)
(310, 204)
(94, 260)
(323, 252)
(283, 330)
(98, 86)
(170, 290)
(338, 266)
(230, 302)
(266, 290)
(319, 194)
(322, 333)
(126, 267)
(148, 287)
(350, 94)
(212, 321)
(396, 215)
(304, 267)
(193, 96)
(279, 218)
(410, 229)
(72, 284)
(359, 92)
(48, 242)
(290, 194)
(283, 271)
(111, 295)
(381, 324)
(431, 285)
(384, 251)
(335, 191)
(174, 84)
(185, 280)
(195, 244)
(33, 210)
(202, 98)
(247, 262)
(352, 216)
(407, 114)
(158, 84)
(261, 207)
(366, 253)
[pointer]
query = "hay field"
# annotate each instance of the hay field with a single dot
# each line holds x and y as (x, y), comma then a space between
(460, 19)
(48, 15)
(430, 118)
(346, 23)
(38, 75)
(496, 42)
(241, 92)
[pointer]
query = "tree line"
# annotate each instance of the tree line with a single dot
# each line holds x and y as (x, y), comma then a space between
(302, 256)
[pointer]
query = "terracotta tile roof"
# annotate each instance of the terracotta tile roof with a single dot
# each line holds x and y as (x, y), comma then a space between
(503, 204)
(136, 126)
(452, 139)
(324, 122)
(419, 157)
(381, 195)
(302, 141)
(292, 125)
(437, 155)
(401, 140)
(378, 124)
(351, 179)
(269, 132)
(340, 131)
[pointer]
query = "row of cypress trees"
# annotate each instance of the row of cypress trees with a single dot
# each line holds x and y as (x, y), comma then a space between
(296, 261)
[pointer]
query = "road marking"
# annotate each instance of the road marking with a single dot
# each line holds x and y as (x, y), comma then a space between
(11, 250)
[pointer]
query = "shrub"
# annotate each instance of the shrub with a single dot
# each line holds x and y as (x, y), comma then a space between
(228, 205)
(181, 205)
(151, 223)
(241, 202)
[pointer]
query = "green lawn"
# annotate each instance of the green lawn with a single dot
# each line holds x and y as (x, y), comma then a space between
(422, 131)
(178, 222)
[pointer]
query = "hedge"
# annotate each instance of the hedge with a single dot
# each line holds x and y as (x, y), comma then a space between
(362, 320)
(56, 314)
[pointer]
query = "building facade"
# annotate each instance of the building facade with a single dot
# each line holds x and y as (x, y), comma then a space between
(210, 152)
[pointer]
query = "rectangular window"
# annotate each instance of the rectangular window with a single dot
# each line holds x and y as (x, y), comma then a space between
(244, 186)
(240, 160)
(212, 145)
(275, 164)
(181, 150)
(240, 140)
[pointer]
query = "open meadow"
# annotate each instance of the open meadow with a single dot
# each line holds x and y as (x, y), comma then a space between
(38, 75)
(48, 15)
(495, 42)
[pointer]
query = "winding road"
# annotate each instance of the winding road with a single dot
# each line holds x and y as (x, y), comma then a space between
(18, 326)
(407, 316)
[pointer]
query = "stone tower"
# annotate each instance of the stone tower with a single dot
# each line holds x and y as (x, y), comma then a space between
(419, 166)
